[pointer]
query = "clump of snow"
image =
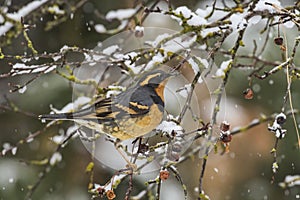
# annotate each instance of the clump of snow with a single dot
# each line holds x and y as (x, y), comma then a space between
(196, 21)
(225, 64)
(59, 139)
(198, 63)
(6, 147)
(100, 28)
(115, 181)
(156, 60)
(290, 181)
(128, 62)
(193, 18)
(120, 14)
(139, 28)
(63, 49)
(97, 57)
(261, 5)
(114, 90)
(168, 127)
(194, 65)
(238, 20)
(56, 58)
(220, 73)
(204, 12)
(111, 49)
(206, 31)
(22, 68)
(55, 158)
(22, 89)
(223, 68)
(30, 138)
(14, 150)
(184, 11)
(275, 167)
(26, 10)
(71, 130)
(50, 68)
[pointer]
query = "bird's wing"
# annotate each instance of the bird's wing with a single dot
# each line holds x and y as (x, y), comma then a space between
(140, 102)
(135, 102)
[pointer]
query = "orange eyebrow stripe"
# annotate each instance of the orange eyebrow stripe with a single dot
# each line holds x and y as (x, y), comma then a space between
(135, 104)
(146, 81)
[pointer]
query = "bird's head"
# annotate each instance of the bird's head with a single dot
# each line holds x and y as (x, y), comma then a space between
(155, 81)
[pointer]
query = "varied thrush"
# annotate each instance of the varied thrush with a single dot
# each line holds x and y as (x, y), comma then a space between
(130, 114)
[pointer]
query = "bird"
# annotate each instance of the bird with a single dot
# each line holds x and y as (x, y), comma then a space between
(128, 115)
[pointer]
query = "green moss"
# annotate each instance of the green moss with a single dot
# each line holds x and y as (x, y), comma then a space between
(117, 182)
(239, 9)
(203, 196)
(1, 54)
(241, 43)
(89, 167)
(29, 42)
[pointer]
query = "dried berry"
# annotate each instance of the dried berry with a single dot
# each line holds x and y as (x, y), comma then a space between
(110, 194)
(225, 126)
(226, 138)
(248, 93)
(281, 118)
(143, 148)
(139, 31)
(164, 175)
(278, 41)
(101, 190)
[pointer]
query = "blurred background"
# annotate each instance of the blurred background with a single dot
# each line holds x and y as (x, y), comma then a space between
(243, 173)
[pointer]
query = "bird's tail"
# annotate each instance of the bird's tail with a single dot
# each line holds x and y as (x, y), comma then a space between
(80, 114)
(58, 116)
